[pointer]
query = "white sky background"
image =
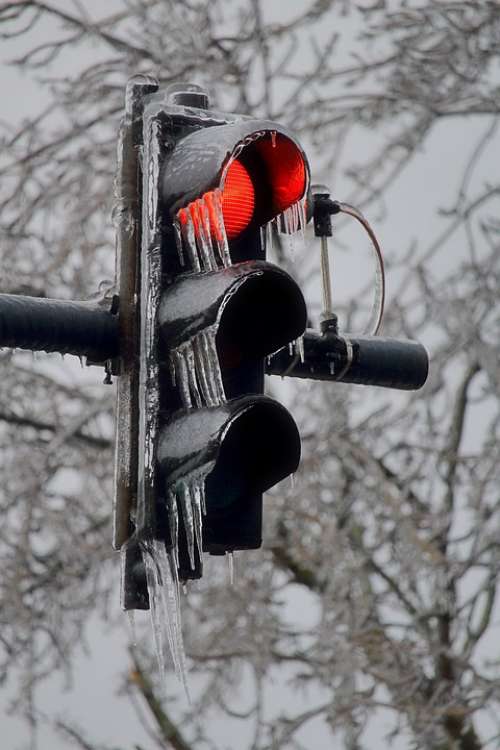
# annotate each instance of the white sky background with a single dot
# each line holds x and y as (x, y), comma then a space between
(410, 208)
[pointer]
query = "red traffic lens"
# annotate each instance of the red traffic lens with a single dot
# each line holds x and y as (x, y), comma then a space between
(286, 170)
(238, 199)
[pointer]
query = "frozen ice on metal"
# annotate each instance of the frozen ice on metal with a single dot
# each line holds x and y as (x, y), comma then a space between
(269, 235)
(299, 345)
(292, 221)
(173, 522)
(195, 369)
(178, 366)
(215, 199)
(204, 235)
(196, 504)
(186, 503)
(201, 234)
(186, 247)
(164, 601)
(192, 379)
(189, 494)
(178, 241)
(151, 265)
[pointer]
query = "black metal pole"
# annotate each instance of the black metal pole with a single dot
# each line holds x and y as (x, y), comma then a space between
(52, 325)
(371, 360)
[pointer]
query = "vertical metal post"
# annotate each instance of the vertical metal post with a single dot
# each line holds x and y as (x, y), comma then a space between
(128, 224)
(326, 282)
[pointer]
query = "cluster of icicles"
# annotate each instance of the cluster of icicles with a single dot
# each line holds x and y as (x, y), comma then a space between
(202, 246)
(194, 364)
(201, 238)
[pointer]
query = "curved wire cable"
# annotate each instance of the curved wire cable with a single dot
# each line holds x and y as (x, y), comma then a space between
(377, 312)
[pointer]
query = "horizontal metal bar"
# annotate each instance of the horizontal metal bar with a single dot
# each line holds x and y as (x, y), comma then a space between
(51, 325)
(372, 360)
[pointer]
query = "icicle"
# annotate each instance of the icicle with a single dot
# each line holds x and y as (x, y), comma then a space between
(171, 363)
(291, 221)
(291, 348)
(230, 567)
(191, 370)
(285, 219)
(292, 481)
(203, 235)
(220, 230)
(273, 138)
(173, 521)
(184, 496)
(196, 370)
(202, 371)
(299, 343)
(196, 501)
(288, 229)
(163, 589)
(332, 368)
(295, 212)
(269, 235)
(203, 501)
(189, 238)
(182, 375)
(178, 240)
(302, 220)
(190, 495)
(212, 360)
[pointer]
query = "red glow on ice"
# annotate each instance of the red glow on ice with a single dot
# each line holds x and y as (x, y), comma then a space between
(215, 224)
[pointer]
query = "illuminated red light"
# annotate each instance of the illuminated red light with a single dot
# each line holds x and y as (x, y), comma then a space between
(238, 199)
(286, 170)
(285, 183)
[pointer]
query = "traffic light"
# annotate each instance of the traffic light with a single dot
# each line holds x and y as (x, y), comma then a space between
(198, 310)
(211, 309)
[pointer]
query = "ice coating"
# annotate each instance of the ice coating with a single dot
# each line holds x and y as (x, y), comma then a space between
(164, 602)
(202, 246)
(151, 269)
(299, 345)
(199, 228)
(187, 497)
(195, 369)
(289, 223)
(161, 567)
(200, 234)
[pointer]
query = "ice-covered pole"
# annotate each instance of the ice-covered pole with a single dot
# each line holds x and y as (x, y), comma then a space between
(368, 360)
(86, 329)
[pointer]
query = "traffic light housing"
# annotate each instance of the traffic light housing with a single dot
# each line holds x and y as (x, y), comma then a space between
(210, 310)
(198, 310)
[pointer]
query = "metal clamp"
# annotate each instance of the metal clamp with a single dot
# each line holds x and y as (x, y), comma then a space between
(323, 209)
